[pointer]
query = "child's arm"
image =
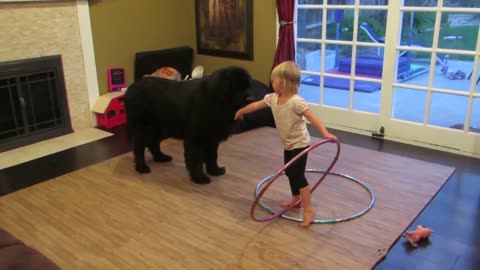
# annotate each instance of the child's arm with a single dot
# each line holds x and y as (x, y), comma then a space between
(318, 125)
(257, 105)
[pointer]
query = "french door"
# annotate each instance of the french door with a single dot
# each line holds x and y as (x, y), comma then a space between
(407, 68)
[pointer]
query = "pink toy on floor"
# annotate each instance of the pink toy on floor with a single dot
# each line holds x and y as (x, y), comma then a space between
(420, 233)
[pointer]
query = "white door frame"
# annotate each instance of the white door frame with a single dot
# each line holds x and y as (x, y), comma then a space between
(445, 139)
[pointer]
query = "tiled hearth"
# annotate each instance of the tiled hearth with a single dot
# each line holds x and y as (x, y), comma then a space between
(47, 147)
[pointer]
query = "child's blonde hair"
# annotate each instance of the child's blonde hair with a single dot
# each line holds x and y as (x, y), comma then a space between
(289, 72)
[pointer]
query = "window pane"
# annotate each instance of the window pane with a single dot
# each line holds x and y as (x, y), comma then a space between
(417, 29)
(374, 2)
(312, 59)
(409, 104)
(459, 31)
(337, 90)
(369, 64)
(310, 2)
(336, 93)
(466, 3)
(370, 52)
(420, 3)
(308, 56)
(336, 97)
(309, 23)
(340, 22)
(340, 2)
(447, 110)
(367, 33)
(342, 55)
(366, 101)
(413, 67)
(310, 88)
(372, 25)
(453, 74)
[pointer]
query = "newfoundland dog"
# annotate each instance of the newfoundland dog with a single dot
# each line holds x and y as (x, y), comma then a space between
(199, 111)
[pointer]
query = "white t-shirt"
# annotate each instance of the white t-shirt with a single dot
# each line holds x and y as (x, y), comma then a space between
(291, 124)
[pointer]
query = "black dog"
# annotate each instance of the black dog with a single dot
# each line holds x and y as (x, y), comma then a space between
(199, 111)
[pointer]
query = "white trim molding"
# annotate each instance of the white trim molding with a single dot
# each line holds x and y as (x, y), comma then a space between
(88, 54)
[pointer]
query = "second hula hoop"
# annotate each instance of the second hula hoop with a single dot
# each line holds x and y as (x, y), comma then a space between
(281, 171)
(329, 220)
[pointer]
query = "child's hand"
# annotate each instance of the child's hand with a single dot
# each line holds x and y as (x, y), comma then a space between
(330, 136)
(238, 115)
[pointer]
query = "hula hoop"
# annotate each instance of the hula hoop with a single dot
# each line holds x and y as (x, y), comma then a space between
(323, 221)
(274, 177)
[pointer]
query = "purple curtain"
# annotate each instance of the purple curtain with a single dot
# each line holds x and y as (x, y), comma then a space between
(286, 42)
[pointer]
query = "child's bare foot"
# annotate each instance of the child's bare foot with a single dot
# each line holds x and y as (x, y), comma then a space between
(286, 204)
(308, 215)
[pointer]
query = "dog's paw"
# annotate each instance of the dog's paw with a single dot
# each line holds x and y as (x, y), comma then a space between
(216, 171)
(201, 179)
(142, 168)
(162, 158)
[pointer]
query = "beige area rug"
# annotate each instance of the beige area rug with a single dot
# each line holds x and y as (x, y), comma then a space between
(47, 147)
(107, 216)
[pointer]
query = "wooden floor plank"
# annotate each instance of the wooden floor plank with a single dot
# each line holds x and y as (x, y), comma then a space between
(107, 216)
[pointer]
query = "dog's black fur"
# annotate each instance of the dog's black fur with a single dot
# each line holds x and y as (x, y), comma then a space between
(199, 111)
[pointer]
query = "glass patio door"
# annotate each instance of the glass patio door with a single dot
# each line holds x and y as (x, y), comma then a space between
(436, 102)
(424, 91)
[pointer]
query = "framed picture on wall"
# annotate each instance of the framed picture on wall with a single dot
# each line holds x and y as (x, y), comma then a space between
(225, 28)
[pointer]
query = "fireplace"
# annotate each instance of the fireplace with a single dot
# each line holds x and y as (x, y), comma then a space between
(33, 102)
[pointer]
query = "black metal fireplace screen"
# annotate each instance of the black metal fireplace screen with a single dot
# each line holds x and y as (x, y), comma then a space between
(33, 103)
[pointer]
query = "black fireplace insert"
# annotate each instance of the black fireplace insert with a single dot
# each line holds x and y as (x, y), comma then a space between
(33, 102)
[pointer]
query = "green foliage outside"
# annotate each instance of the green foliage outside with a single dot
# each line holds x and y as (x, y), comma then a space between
(418, 32)
(457, 38)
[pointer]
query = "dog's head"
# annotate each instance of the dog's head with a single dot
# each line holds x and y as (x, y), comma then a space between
(236, 87)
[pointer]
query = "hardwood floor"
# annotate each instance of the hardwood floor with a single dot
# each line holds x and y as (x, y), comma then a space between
(454, 213)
